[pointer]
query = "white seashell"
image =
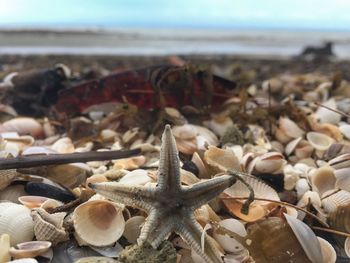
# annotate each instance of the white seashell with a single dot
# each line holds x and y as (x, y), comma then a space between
(301, 187)
(229, 244)
(37, 150)
(136, 177)
(24, 260)
(333, 201)
(324, 115)
(23, 126)
(328, 252)
(133, 228)
(4, 248)
(306, 237)
(99, 223)
(219, 126)
(291, 176)
(15, 220)
(49, 227)
(63, 145)
(345, 130)
(290, 128)
(303, 150)
(185, 132)
(323, 179)
(290, 147)
(310, 197)
(32, 201)
(277, 146)
(343, 178)
(108, 135)
(238, 151)
(319, 141)
(30, 249)
(202, 215)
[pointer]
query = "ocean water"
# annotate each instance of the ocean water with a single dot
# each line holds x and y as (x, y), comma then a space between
(147, 42)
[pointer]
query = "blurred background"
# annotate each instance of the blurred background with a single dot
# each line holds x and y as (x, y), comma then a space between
(162, 27)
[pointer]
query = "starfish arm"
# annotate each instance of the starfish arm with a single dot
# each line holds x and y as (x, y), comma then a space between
(191, 232)
(137, 196)
(201, 193)
(155, 230)
(169, 163)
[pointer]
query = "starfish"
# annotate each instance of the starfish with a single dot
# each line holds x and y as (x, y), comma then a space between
(169, 204)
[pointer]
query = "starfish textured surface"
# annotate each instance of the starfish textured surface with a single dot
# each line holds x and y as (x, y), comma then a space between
(169, 204)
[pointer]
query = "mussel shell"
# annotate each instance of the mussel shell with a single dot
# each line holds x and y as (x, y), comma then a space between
(50, 191)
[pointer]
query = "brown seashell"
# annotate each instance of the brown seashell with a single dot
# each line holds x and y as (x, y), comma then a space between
(6, 177)
(203, 172)
(133, 228)
(269, 162)
(49, 227)
(30, 249)
(255, 213)
(323, 179)
(339, 219)
(129, 163)
(221, 160)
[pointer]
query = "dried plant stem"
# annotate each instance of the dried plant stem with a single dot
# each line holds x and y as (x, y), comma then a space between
(281, 203)
(331, 231)
(40, 160)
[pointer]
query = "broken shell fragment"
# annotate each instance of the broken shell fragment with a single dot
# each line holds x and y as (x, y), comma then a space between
(23, 126)
(30, 249)
(328, 253)
(4, 248)
(99, 223)
(221, 160)
(6, 177)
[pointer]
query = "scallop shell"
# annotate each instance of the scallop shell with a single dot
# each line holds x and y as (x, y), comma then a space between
(323, 179)
(221, 160)
(4, 248)
(333, 201)
(328, 252)
(133, 228)
(49, 227)
(99, 223)
(319, 141)
(341, 161)
(6, 177)
(15, 220)
(30, 249)
(229, 244)
(343, 178)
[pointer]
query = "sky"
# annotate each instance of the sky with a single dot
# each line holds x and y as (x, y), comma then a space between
(270, 14)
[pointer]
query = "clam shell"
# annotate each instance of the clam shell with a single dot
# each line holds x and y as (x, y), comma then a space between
(6, 177)
(323, 179)
(136, 177)
(15, 220)
(269, 162)
(339, 219)
(319, 141)
(184, 132)
(99, 223)
(129, 163)
(96, 178)
(221, 160)
(255, 213)
(202, 215)
(306, 237)
(30, 249)
(49, 227)
(69, 175)
(324, 115)
(24, 126)
(290, 147)
(133, 228)
(4, 248)
(12, 193)
(63, 145)
(345, 130)
(229, 244)
(219, 125)
(290, 128)
(197, 160)
(328, 253)
(332, 202)
(347, 246)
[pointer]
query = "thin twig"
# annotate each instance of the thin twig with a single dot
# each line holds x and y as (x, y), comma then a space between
(334, 110)
(331, 231)
(281, 203)
(40, 160)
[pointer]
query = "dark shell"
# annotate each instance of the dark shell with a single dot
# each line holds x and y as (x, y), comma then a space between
(41, 189)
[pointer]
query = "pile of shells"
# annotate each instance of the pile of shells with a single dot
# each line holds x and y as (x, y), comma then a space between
(296, 158)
